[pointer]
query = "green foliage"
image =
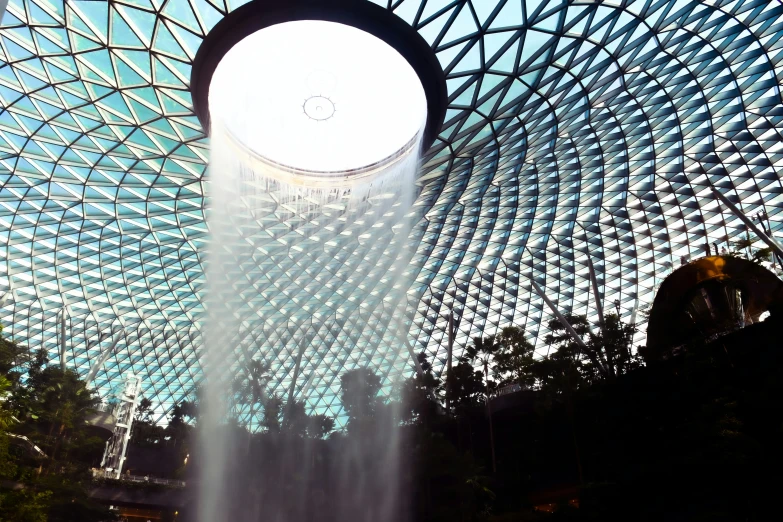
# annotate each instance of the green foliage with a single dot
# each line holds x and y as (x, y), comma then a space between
(743, 247)
(25, 397)
(559, 337)
(297, 423)
(272, 406)
(143, 410)
(695, 437)
(482, 351)
(49, 406)
(63, 399)
(612, 344)
(559, 373)
(448, 484)
(568, 366)
(145, 432)
(6, 415)
(7, 465)
(69, 501)
(182, 413)
(25, 505)
(12, 357)
(295, 419)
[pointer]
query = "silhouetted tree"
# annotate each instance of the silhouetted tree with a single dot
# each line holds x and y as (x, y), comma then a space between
(319, 426)
(295, 419)
(359, 390)
(250, 388)
(483, 351)
(514, 360)
(465, 386)
(272, 406)
(419, 394)
(613, 344)
(12, 358)
(605, 355)
(179, 428)
(145, 431)
(143, 410)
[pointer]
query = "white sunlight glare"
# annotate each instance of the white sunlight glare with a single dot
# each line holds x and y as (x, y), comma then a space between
(317, 95)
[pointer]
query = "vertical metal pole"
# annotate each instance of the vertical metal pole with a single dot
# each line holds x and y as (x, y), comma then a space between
(448, 358)
(296, 374)
(302, 349)
(56, 329)
(633, 312)
(749, 223)
(594, 281)
(306, 387)
(62, 339)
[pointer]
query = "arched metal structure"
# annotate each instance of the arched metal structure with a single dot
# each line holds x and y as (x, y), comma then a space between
(710, 296)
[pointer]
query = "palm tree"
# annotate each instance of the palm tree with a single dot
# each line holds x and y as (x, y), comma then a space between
(743, 244)
(250, 387)
(273, 409)
(319, 426)
(483, 350)
(515, 361)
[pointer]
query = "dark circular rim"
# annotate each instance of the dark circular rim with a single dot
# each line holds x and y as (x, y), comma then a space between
(361, 14)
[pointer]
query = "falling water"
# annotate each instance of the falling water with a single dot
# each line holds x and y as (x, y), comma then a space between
(254, 221)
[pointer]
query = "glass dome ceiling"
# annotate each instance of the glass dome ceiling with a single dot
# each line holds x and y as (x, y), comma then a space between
(574, 129)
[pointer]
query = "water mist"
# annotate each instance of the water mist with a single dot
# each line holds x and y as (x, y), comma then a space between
(282, 475)
(314, 153)
(275, 476)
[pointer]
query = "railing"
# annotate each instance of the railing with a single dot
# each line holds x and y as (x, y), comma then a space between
(31, 443)
(511, 388)
(154, 480)
(138, 479)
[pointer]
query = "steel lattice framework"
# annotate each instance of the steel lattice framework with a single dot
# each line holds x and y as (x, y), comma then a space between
(574, 129)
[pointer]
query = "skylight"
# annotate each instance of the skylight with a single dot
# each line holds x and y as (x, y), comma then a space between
(318, 96)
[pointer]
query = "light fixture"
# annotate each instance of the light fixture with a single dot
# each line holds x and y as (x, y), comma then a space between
(335, 113)
(319, 94)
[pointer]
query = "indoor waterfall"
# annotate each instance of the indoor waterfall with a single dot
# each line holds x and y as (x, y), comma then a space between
(272, 246)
